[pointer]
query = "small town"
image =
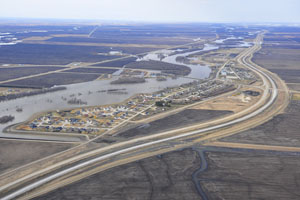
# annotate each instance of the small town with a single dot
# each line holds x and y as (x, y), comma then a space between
(97, 120)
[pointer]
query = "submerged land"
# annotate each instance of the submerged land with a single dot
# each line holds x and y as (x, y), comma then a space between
(139, 111)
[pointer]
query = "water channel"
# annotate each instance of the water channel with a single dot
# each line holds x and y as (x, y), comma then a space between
(90, 91)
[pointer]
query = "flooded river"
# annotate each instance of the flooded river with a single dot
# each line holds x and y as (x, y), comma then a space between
(90, 91)
(198, 71)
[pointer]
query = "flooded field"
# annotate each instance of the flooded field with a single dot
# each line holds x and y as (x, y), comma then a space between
(198, 71)
(89, 92)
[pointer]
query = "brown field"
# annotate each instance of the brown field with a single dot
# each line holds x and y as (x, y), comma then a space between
(236, 103)
(278, 58)
(17, 153)
(140, 180)
(282, 130)
(173, 122)
(281, 55)
(238, 176)
(232, 174)
(217, 56)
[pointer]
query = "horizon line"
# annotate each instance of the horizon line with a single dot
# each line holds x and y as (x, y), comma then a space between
(33, 19)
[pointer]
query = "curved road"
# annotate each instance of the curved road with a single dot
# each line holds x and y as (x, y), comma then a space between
(268, 81)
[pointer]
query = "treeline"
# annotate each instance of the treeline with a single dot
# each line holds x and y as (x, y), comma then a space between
(129, 80)
(6, 119)
(76, 101)
(30, 93)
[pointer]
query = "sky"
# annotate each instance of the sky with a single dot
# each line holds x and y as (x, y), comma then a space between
(156, 10)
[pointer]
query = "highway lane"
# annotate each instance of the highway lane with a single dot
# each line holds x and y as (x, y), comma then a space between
(267, 80)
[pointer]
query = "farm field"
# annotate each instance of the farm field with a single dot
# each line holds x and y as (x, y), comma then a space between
(178, 120)
(50, 80)
(17, 72)
(93, 70)
(15, 153)
(117, 63)
(51, 54)
(283, 129)
(280, 54)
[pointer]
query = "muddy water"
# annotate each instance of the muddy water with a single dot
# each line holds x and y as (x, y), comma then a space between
(198, 71)
(88, 92)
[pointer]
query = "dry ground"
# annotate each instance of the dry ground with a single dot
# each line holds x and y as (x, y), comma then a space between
(17, 153)
(238, 176)
(218, 56)
(235, 103)
(230, 175)
(175, 121)
(163, 177)
(282, 130)
(281, 55)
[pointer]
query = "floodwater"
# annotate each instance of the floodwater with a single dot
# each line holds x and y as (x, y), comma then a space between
(90, 91)
(241, 43)
(198, 71)
(8, 39)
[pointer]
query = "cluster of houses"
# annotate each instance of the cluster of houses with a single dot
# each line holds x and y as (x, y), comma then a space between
(96, 120)
(198, 91)
(90, 120)
(234, 73)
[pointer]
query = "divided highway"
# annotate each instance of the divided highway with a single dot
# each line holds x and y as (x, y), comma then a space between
(244, 58)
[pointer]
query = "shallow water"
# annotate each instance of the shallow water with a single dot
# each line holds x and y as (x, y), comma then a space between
(88, 92)
(198, 71)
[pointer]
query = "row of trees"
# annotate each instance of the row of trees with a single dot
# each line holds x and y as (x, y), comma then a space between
(6, 119)
(30, 93)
